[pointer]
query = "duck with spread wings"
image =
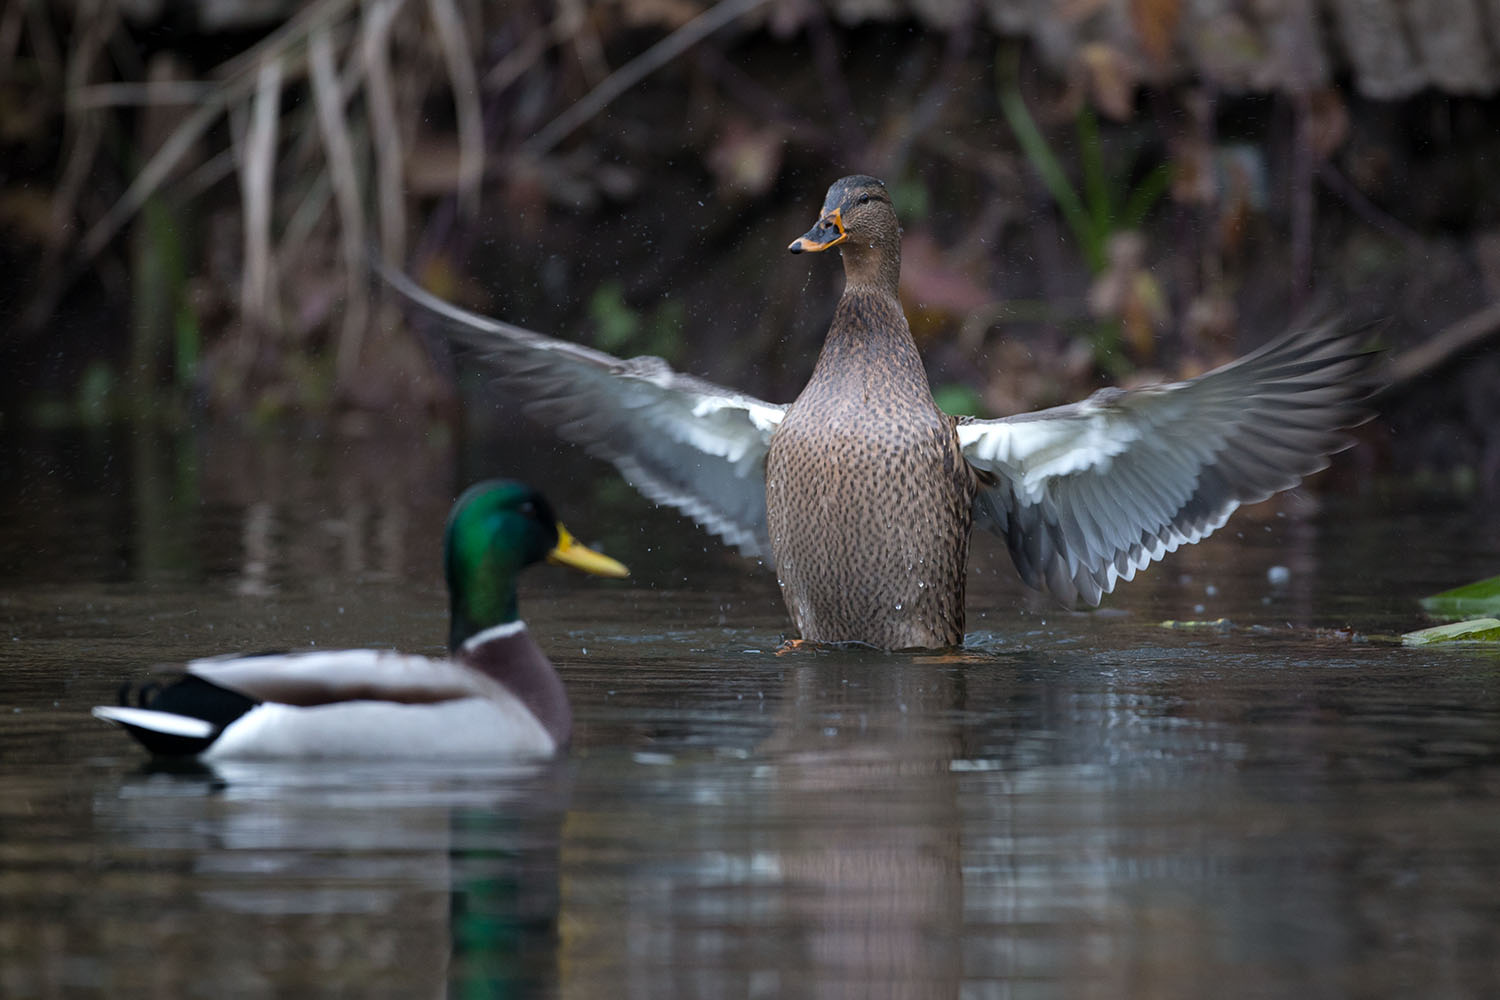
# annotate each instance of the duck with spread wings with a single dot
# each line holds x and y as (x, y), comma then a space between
(862, 493)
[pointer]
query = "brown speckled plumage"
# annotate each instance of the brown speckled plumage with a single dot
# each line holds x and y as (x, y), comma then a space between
(868, 497)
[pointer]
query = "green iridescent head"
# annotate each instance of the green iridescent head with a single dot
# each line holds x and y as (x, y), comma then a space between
(498, 528)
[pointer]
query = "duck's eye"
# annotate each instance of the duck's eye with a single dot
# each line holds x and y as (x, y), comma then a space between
(528, 508)
(864, 199)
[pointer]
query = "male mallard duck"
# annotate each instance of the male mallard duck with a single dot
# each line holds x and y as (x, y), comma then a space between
(497, 695)
(863, 492)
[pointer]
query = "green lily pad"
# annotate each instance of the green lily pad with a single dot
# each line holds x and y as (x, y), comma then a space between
(1479, 598)
(1473, 630)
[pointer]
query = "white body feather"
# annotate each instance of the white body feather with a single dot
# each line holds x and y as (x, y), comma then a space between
(357, 703)
(465, 728)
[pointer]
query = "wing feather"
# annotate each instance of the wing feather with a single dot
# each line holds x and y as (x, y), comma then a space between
(1087, 494)
(682, 441)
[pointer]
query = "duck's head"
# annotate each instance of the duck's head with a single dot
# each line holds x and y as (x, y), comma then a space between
(498, 528)
(857, 215)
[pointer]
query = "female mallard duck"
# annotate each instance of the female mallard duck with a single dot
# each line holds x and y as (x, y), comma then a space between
(863, 492)
(497, 695)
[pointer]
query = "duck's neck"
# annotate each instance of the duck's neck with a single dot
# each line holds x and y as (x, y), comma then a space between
(877, 268)
(479, 608)
(869, 333)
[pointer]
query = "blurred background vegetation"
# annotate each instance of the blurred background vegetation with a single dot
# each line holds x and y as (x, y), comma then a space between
(1096, 191)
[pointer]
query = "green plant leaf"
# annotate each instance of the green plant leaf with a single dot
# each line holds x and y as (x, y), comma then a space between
(1107, 349)
(957, 400)
(1473, 630)
(96, 394)
(187, 343)
(1145, 195)
(911, 199)
(1045, 163)
(1479, 598)
(665, 333)
(615, 323)
(1097, 191)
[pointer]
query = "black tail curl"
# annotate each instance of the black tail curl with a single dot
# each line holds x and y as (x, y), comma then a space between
(191, 696)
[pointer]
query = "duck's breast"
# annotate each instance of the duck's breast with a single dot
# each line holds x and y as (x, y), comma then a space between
(868, 503)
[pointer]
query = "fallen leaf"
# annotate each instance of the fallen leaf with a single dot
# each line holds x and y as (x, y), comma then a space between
(1473, 630)
(1112, 79)
(1127, 291)
(1155, 23)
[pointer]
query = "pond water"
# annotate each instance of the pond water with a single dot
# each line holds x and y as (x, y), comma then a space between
(1285, 803)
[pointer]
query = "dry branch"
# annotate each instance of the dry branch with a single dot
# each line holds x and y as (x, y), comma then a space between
(464, 84)
(636, 70)
(257, 189)
(328, 98)
(1457, 338)
(380, 102)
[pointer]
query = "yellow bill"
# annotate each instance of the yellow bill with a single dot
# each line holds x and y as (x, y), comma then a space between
(569, 552)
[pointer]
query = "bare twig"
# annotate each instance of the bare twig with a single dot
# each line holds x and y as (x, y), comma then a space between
(311, 204)
(329, 100)
(130, 95)
(380, 102)
(204, 176)
(44, 47)
(1364, 207)
(1303, 207)
(240, 77)
(257, 183)
(152, 175)
(573, 22)
(1465, 335)
(637, 70)
(522, 58)
(828, 64)
(925, 114)
(84, 131)
(461, 78)
(767, 105)
(284, 42)
(10, 37)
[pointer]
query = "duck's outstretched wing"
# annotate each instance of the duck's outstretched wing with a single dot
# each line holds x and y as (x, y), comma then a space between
(1087, 494)
(681, 441)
